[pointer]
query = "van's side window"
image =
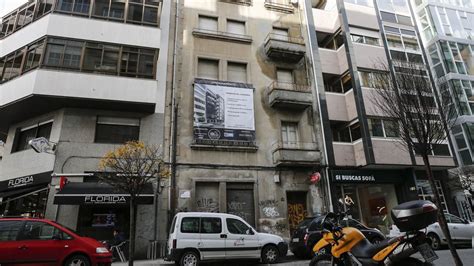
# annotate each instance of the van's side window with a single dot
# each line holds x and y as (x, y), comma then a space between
(211, 225)
(190, 225)
(237, 227)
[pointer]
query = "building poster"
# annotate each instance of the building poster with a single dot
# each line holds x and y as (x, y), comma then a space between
(223, 113)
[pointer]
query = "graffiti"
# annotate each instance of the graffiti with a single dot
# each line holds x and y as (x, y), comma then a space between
(208, 205)
(235, 205)
(242, 214)
(296, 213)
(271, 212)
(270, 226)
(271, 202)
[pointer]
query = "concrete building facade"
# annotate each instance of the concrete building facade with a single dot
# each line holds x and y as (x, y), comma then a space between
(88, 76)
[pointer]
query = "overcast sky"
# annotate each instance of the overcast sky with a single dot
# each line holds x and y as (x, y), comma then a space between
(8, 5)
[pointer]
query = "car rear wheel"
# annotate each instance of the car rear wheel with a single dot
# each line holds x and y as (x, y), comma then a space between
(270, 254)
(434, 241)
(189, 258)
(77, 260)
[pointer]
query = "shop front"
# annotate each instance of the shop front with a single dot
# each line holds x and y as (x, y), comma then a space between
(25, 196)
(368, 195)
(101, 208)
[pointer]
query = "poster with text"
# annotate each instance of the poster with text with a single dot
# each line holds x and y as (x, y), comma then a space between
(223, 114)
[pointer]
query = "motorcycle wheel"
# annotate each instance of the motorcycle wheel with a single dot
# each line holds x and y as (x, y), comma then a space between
(411, 262)
(321, 260)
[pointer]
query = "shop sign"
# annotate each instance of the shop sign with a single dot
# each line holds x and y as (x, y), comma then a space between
(25, 181)
(20, 181)
(105, 199)
(366, 176)
(353, 178)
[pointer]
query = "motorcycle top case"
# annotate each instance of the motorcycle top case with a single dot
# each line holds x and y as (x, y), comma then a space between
(414, 215)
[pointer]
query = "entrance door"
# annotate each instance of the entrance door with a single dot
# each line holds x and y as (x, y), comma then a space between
(297, 210)
(240, 201)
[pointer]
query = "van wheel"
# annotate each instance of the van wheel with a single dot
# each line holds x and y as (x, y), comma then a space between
(77, 260)
(189, 258)
(270, 254)
(435, 243)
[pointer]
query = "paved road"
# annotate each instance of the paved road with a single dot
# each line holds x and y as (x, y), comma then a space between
(467, 256)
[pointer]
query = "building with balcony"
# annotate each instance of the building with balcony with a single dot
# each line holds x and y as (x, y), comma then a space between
(366, 161)
(254, 141)
(87, 76)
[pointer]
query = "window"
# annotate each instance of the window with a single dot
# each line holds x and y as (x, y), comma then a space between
(391, 128)
(12, 65)
(338, 84)
(75, 6)
(364, 39)
(237, 72)
(33, 55)
(285, 75)
(441, 150)
(38, 231)
(116, 129)
(24, 135)
(208, 23)
(109, 8)
(280, 34)
(383, 128)
(238, 227)
(9, 230)
(101, 58)
(389, 17)
(44, 7)
(208, 68)
(190, 225)
(236, 27)
(289, 134)
(63, 53)
(137, 62)
(454, 219)
(146, 13)
(426, 193)
(211, 225)
(375, 127)
(405, 20)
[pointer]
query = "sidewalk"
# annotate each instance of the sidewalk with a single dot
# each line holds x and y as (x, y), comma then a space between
(289, 260)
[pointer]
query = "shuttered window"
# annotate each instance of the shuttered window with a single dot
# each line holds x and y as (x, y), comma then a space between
(289, 134)
(237, 72)
(208, 68)
(236, 27)
(285, 76)
(208, 23)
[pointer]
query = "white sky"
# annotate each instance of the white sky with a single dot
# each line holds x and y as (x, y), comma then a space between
(8, 5)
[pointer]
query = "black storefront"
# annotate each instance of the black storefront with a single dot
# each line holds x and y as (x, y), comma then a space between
(25, 195)
(369, 195)
(101, 207)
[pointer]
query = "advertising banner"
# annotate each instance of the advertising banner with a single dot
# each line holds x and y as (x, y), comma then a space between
(223, 113)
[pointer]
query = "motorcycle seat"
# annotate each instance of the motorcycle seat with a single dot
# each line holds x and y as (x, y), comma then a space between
(365, 249)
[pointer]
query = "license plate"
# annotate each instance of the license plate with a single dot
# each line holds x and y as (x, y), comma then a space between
(296, 240)
(428, 254)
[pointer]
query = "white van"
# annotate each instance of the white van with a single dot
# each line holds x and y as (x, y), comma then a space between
(202, 236)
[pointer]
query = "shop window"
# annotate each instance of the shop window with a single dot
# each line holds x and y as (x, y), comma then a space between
(208, 68)
(237, 72)
(211, 225)
(207, 23)
(23, 136)
(117, 130)
(236, 27)
(190, 225)
(237, 227)
(9, 230)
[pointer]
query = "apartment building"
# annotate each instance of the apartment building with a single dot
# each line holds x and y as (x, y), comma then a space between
(88, 76)
(369, 169)
(243, 116)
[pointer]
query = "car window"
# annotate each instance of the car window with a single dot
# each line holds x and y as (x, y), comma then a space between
(190, 225)
(455, 219)
(237, 227)
(9, 230)
(316, 224)
(211, 225)
(39, 231)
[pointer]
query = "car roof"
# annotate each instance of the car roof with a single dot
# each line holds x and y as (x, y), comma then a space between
(206, 214)
(23, 219)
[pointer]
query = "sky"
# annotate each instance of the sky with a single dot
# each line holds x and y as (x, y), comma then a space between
(8, 5)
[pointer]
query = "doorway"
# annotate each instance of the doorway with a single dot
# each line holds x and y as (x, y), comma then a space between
(297, 209)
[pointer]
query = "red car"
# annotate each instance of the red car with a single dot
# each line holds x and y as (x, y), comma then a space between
(43, 242)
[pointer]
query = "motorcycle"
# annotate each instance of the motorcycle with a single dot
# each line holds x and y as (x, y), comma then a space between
(348, 246)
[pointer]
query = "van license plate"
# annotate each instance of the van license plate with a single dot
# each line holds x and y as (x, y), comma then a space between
(427, 252)
(296, 240)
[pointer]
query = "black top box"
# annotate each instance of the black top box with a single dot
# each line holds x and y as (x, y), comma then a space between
(414, 215)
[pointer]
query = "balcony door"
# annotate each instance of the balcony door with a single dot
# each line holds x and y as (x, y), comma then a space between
(289, 134)
(280, 34)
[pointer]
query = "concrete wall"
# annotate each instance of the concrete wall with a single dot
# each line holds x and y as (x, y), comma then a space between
(344, 154)
(326, 21)
(361, 16)
(369, 56)
(336, 103)
(390, 151)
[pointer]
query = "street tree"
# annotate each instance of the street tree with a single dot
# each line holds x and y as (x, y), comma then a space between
(130, 168)
(424, 120)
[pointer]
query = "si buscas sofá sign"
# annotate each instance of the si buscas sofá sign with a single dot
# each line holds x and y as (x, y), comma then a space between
(20, 181)
(105, 199)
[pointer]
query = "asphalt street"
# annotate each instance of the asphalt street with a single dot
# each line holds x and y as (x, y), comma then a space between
(445, 259)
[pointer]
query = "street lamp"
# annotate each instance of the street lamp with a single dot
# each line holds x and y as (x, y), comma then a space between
(43, 145)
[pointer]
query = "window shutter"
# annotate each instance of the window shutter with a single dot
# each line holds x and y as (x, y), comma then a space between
(208, 23)
(236, 27)
(208, 68)
(237, 72)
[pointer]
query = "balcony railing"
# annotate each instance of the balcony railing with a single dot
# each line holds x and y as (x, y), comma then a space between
(240, 2)
(279, 6)
(204, 33)
(288, 86)
(288, 95)
(283, 47)
(296, 153)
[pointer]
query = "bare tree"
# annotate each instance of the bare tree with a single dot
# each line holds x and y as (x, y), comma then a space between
(130, 168)
(408, 98)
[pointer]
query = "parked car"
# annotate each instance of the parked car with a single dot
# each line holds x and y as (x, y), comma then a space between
(43, 242)
(462, 232)
(309, 233)
(202, 236)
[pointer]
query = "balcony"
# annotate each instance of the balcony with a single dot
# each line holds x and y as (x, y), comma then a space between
(284, 48)
(225, 36)
(288, 95)
(278, 5)
(296, 154)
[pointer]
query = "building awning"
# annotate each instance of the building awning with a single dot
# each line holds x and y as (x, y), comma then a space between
(16, 184)
(18, 193)
(91, 193)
